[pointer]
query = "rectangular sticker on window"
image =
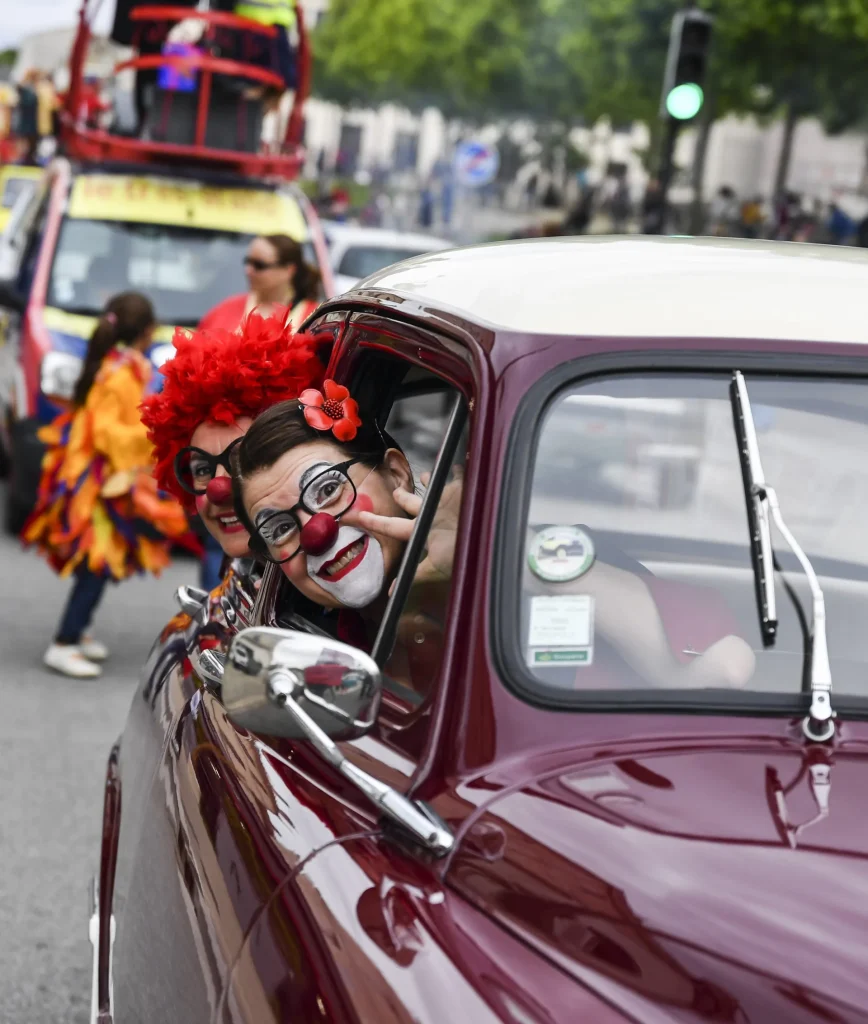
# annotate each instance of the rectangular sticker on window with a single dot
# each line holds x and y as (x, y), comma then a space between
(561, 631)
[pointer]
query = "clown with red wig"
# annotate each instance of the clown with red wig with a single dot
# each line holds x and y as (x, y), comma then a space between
(214, 387)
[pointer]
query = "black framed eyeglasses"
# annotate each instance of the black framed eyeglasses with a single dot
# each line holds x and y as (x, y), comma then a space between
(195, 469)
(277, 536)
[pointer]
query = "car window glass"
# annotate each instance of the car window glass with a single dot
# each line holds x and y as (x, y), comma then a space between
(417, 422)
(15, 187)
(309, 252)
(363, 260)
(414, 665)
(637, 570)
(32, 246)
(184, 271)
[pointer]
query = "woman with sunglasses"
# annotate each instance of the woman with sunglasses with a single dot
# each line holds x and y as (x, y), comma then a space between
(331, 499)
(280, 283)
(214, 386)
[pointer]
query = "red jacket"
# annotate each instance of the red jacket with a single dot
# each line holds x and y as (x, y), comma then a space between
(227, 315)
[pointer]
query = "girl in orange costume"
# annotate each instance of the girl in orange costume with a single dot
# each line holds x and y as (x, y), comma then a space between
(99, 515)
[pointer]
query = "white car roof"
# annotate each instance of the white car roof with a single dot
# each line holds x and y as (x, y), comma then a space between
(355, 234)
(646, 287)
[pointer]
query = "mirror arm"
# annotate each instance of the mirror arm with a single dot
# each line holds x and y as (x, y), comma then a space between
(210, 666)
(191, 599)
(283, 685)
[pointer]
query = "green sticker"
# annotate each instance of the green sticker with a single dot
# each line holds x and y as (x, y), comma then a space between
(559, 657)
(561, 553)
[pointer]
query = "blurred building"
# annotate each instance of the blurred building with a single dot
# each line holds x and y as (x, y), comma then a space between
(744, 155)
(741, 153)
(49, 51)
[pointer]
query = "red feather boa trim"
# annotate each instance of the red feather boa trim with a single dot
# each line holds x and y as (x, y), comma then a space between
(222, 375)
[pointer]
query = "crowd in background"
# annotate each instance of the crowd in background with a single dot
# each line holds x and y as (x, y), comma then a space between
(793, 218)
(28, 118)
(610, 207)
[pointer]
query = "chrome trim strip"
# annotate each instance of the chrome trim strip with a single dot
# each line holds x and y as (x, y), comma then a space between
(96, 1015)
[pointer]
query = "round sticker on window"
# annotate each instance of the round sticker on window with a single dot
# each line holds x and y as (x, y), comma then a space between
(561, 553)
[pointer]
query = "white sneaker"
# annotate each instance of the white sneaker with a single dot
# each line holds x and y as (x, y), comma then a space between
(92, 649)
(69, 661)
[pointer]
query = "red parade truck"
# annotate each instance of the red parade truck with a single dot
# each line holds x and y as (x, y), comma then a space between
(167, 208)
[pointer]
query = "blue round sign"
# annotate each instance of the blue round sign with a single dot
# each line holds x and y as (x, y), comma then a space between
(476, 163)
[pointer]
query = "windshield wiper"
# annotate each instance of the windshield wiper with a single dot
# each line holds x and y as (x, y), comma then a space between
(761, 500)
(757, 500)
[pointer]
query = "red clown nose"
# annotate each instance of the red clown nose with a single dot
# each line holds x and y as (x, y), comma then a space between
(318, 533)
(219, 490)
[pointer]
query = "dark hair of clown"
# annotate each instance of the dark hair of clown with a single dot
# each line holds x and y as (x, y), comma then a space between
(222, 376)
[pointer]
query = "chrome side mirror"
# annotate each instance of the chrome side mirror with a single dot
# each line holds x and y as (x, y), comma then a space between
(190, 599)
(282, 683)
(304, 687)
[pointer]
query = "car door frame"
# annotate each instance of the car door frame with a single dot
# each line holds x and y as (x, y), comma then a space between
(453, 356)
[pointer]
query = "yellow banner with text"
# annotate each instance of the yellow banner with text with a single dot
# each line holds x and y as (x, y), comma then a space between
(250, 211)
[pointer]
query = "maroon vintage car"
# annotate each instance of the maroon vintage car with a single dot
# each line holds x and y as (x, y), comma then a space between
(618, 773)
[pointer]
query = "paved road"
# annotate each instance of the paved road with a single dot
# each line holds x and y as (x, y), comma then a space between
(54, 736)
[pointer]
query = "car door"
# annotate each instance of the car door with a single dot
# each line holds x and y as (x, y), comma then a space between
(333, 941)
(180, 909)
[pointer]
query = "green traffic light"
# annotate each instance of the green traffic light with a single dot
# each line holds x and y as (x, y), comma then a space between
(684, 101)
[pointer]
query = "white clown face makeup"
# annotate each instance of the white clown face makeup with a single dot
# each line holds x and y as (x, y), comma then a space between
(352, 571)
(363, 575)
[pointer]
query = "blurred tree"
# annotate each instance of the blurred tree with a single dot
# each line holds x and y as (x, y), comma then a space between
(558, 60)
(770, 57)
(472, 58)
(796, 60)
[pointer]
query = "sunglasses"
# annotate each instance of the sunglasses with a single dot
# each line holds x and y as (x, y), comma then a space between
(258, 265)
(195, 469)
(277, 537)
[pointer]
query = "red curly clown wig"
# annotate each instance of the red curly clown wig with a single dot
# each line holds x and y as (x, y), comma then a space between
(222, 376)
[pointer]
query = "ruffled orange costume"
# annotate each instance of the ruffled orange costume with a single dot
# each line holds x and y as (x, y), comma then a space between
(98, 501)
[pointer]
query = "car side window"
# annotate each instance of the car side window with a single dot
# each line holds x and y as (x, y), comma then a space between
(13, 189)
(416, 417)
(31, 248)
(421, 425)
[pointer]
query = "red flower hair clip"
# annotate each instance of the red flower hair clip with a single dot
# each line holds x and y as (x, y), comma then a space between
(334, 410)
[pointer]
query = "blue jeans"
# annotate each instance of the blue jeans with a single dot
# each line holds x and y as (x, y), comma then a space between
(211, 568)
(80, 606)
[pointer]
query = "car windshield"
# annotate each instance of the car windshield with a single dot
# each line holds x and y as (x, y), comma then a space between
(185, 271)
(637, 563)
(363, 260)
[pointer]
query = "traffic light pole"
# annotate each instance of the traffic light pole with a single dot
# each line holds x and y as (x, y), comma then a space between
(665, 172)
(680, 100)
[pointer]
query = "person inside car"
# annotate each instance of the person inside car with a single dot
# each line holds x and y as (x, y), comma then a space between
(331, 498)
(214, 386)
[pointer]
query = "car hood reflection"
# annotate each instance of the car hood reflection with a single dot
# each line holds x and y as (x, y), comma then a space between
(681, 886)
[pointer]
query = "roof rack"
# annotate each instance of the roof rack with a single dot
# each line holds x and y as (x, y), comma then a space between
(88, 144)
